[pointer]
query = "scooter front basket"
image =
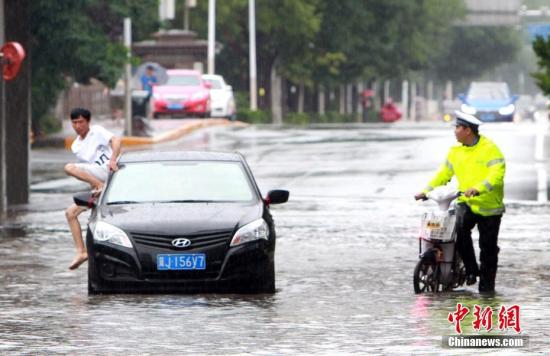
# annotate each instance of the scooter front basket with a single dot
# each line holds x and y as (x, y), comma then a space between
(438, 226)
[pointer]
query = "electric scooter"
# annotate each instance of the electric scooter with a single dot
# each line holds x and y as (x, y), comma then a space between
(440, 267)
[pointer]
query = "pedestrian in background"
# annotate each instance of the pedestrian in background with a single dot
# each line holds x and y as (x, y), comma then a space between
(479, 167)
(97, 151)
(148, 79)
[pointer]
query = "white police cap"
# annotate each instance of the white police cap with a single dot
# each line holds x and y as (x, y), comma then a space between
(466, 119)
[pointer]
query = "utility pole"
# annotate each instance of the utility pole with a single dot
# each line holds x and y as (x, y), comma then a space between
(3, 163)
(128, 76)
(252, 54)
(211, 34)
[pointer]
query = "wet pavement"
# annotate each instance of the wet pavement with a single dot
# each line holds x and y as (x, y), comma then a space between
(345, 254)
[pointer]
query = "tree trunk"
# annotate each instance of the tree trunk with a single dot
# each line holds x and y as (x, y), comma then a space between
(321, 100)
(342, 100)
(360, 88)
(413, 101)
(349, 99)
(276, 97)
(301, 89)
(405, 99)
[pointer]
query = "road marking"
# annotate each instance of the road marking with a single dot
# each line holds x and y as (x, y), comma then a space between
(542, 177)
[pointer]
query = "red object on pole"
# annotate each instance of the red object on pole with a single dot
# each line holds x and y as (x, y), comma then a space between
(13, 55)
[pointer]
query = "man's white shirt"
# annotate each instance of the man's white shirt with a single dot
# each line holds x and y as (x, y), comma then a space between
(95, 147)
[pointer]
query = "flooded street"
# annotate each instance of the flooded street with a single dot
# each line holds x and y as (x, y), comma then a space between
(346, 250)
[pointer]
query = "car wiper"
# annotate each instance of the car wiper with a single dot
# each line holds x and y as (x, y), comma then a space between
(187, 201)
(120, 202)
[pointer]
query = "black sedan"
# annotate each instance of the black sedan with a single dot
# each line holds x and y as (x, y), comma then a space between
(181, 221)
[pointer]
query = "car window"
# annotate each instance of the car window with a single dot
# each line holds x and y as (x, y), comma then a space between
(184, 80)
(216, 84)
(180, 181)
(488, 92)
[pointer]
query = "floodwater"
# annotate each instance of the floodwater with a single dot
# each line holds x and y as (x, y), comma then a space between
(345, 254)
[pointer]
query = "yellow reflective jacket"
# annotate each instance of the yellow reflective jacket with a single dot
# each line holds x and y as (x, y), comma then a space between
(481, 167)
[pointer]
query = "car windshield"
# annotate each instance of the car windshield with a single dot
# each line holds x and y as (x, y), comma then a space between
(216, 84)
(180, 181)
(184, 80)
(495, 92)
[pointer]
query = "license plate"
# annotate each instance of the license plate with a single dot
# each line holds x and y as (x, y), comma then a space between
(174, 106)
(185, 261)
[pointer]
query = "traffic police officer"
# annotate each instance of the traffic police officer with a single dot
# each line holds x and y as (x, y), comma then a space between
(479, 168)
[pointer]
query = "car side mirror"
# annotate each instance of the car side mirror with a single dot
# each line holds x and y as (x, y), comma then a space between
(461, 96)
(277, 196)
(514, 98)
(229, 88)
(85, 199)
(208, 85)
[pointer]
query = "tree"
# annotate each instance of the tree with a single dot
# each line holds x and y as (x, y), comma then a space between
(541, 46)
(80, 39)
(475, 50)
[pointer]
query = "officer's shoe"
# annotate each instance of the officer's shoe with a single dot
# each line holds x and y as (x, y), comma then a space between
(486, 286)
(471, 279)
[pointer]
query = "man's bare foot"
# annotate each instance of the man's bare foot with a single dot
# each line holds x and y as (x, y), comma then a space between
(78, 260)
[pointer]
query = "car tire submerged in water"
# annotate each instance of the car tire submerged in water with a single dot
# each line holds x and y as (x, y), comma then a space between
(264, 283)
(425, 277)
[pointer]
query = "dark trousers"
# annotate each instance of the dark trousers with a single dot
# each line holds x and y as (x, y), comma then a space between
(488, 227)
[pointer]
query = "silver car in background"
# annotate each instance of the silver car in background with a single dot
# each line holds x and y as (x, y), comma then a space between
(221, 96)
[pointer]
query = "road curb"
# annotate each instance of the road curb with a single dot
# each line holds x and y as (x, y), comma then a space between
(171, 135)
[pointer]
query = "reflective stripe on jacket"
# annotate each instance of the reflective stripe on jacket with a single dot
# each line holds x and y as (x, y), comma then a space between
(481, 167)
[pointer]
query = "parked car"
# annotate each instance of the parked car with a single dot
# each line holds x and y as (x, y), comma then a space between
(181, 221)
(183, 94)
(221, 95)
(489, 101)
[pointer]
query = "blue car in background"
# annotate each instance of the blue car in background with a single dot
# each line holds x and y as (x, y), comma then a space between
(489, 101)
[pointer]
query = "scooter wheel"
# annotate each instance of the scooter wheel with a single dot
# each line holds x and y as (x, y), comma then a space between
(426, 277)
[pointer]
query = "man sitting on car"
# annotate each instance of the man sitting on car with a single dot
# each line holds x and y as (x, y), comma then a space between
(97, 150)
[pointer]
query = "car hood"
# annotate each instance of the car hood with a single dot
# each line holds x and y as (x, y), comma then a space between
(174, 89)
(488, 103)
(180, 218)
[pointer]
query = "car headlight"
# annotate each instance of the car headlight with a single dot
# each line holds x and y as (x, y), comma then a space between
(507, 110)
(199, 96)
(104, 232)
(157, 96)
(255, 230)
(468, 109)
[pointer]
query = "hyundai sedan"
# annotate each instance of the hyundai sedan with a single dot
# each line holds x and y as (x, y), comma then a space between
(181, 221)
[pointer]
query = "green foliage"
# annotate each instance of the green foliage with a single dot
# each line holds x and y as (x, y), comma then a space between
(80, 39)
(541, 46)
(253, 117)
(474, 50)
(50, 124)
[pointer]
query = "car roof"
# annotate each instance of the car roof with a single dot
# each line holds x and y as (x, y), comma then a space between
(212, 76)
(149, 156)
(183, 72)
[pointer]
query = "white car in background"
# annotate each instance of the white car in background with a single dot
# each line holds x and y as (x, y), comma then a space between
(222, 102)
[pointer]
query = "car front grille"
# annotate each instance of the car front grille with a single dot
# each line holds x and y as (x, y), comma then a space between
(200, 240)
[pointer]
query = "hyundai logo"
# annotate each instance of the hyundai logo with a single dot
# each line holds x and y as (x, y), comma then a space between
(181, 242)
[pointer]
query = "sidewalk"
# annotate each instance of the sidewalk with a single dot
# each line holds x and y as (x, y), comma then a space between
(164, 130)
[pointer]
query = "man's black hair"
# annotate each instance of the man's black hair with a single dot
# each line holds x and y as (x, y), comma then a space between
(77, 112)
(150, 67)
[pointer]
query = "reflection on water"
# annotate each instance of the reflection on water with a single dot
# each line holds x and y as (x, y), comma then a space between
(344, 264)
